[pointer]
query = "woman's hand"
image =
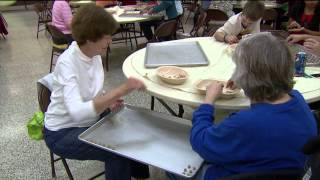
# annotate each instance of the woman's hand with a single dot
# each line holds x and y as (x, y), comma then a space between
(116, 105)
(294, 38)
(231, 39)
(294, 25)
(231, 85)
(213, 92)
(312, 45)
(297, 30)
(134, 84)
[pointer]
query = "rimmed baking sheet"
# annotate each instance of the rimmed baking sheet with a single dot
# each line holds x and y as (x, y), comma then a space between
(175, 53)
(146, 136)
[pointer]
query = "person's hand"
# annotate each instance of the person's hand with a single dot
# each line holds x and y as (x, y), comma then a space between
(312, 45)
(294, 25)
(297, 30)
(147, 10)
(213, 92)
(116, 105)
(231, 85)
(231, 39)
(294, 38)
(134, 84)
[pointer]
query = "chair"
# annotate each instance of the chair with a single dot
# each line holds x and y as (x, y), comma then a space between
(44, 94)
(166, 31)
(44, 15)
(215, 19)
(269, 20)
(179, 23)
(59, 43)
(198, 29)
(282, 174)
(191, 7)
(3, 26)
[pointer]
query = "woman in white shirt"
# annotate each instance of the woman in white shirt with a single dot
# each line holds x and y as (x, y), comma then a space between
(77, 99)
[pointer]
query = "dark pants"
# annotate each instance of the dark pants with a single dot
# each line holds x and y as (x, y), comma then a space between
(146, 28)
(65, 143)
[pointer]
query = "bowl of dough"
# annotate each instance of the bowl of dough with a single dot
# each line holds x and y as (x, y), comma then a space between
(172, 74)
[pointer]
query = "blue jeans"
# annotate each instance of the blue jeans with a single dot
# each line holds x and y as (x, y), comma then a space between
(65, 143)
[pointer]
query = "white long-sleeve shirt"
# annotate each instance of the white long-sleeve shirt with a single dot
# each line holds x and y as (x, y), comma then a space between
(77, 79)
(233, 26)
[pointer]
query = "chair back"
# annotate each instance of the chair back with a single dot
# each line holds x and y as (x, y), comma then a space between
(292, 174)
(166, 30)
(43, 11)
(216, 15)
(269, 19)
(196, 31)
(44, 87)
(57, 36)
(43, 96)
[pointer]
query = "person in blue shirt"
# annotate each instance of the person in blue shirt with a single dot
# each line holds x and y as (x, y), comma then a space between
(172, 8)
(269, 134)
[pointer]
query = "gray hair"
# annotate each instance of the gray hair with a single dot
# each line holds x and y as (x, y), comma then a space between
(264, 67)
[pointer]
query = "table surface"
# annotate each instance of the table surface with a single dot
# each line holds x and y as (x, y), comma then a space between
(268, 4)
(220, 67)
(116, 11)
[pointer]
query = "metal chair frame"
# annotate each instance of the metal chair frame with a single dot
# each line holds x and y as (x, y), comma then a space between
(44, 100)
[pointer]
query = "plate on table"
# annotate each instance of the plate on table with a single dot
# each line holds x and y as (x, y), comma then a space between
(227, 93)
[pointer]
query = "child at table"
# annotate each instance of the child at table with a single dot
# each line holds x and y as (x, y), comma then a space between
(245, 22)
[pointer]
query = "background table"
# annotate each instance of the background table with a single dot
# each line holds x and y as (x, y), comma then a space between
(221, 67)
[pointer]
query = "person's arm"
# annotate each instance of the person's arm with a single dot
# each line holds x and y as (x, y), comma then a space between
(308, 31)
(313, 46)
(224, 37)
(66, 14)
(215, 142)
(105, 101)
(294, 38)
(292, 24)
(225, 33)
(162, 6)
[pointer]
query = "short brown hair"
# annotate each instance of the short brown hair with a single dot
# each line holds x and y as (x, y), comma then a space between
(264, 67)
(253, 10)
(92, 23)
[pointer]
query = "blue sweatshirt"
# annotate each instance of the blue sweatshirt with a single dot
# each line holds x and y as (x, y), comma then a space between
(263, 137)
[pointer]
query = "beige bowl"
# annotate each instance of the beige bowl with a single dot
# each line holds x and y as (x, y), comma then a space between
(227, 93)
(172, 74)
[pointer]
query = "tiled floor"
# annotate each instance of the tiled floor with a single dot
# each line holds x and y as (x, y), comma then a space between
(23, 60)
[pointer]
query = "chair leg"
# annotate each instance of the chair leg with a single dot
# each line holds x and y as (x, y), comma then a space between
(67, 168)
(38, 27)
(152, 103)
(53, 170)
(51, 61)
(107, 59)
(98, 175)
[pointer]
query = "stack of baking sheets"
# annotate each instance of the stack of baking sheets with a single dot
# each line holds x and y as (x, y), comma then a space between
(146, 136)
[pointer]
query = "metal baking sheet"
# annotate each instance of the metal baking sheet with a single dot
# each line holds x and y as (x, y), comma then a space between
(146, 136)
(175, 53)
